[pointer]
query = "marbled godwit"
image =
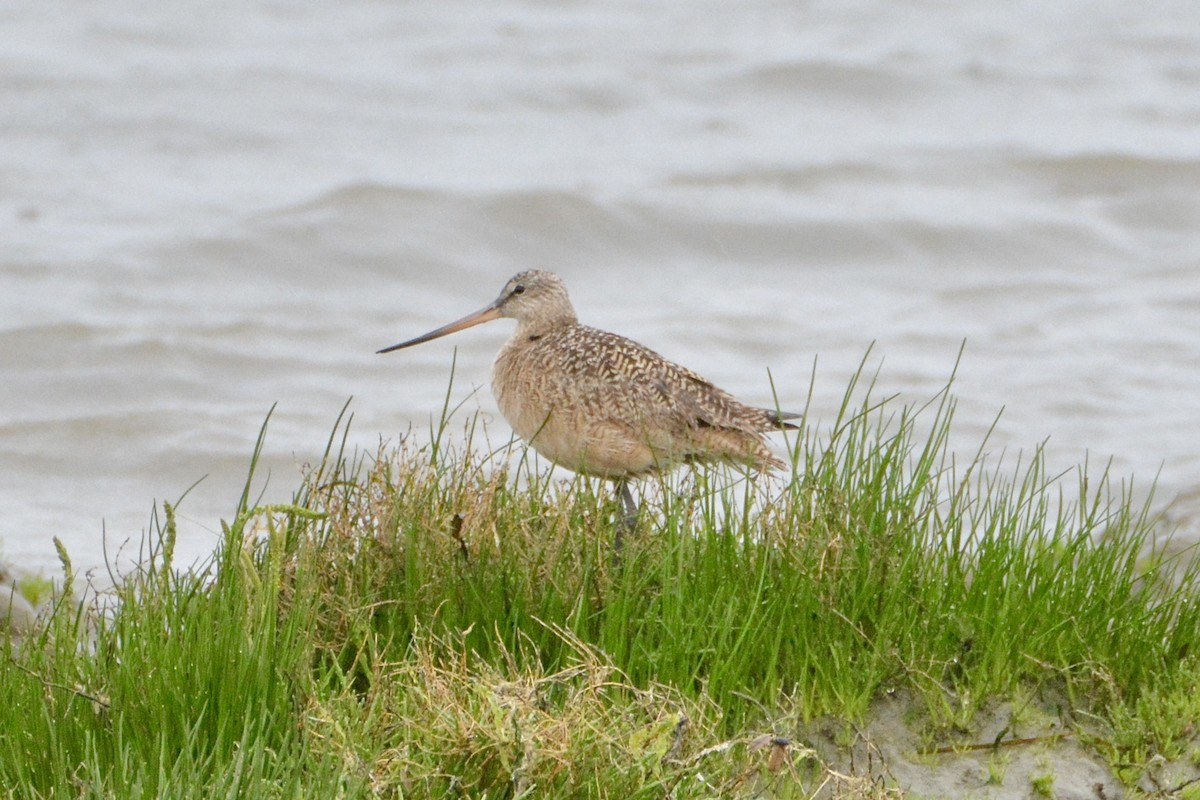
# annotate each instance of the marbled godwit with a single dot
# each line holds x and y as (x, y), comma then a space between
(601, 404)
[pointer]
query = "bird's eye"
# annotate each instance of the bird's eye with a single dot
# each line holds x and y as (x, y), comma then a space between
(518, 289)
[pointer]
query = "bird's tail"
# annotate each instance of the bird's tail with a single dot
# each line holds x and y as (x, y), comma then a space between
(780, 419)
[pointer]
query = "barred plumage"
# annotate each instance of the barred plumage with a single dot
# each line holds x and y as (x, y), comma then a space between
(602, 404)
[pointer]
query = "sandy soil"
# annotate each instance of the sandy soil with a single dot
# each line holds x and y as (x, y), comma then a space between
(1038, 755)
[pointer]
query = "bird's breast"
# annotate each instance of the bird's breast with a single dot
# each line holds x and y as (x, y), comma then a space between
(547, 402)
(523, 390)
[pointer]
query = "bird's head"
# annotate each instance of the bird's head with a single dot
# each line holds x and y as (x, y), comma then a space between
(536, 299)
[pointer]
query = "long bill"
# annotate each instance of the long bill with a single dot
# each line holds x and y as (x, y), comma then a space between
(485, 314)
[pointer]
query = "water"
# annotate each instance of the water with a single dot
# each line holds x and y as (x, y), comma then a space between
(211, 208)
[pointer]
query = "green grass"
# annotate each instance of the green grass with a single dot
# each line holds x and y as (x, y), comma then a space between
(437, 621)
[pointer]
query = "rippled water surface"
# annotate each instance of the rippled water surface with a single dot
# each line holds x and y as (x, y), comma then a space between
(208, 209)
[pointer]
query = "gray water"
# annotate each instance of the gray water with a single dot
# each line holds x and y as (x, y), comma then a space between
(210, 208)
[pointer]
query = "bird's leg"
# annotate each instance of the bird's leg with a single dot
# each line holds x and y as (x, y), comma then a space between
(628, 519)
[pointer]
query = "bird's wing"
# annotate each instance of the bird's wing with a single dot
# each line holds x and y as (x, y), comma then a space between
(638, 384)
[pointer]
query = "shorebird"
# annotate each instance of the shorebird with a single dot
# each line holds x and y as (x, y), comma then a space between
(600, 404)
